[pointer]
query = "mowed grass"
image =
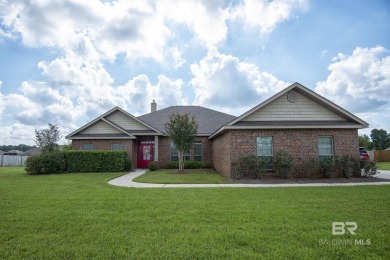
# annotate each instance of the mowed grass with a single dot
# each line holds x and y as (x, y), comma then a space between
(81, 216)
(383, 166)
(191, 176)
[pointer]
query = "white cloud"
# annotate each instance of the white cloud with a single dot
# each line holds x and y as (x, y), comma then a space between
(265, 15)
(17, 134)
(138, 93)
(228, 84)
(139, 29)
(359, 82)
(176, 54)
(133, 28)
(206, 18)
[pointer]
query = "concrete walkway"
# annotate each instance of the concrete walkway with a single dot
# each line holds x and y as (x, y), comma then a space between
(127, 181)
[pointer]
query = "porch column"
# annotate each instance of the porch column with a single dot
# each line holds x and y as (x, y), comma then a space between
(156, 148)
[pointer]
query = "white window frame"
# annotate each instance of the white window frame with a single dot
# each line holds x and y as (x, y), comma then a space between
(268, 156)
(322, 155)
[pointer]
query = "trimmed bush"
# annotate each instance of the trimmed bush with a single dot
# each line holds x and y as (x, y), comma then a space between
(368, 168)
(330, 166)
(96, 161)
(283, 162)
(152, 166)
(309, 168)
(248, 165)
(350, 166)
(46, 163)
(189, 165)
(128, 165)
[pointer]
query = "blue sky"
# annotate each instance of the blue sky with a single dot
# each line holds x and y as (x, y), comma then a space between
(66, 62)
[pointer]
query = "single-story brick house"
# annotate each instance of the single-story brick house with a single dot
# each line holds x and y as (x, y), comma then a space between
(296, 120)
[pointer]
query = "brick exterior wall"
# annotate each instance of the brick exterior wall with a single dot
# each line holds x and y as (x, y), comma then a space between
(101, 144)
(164, 147)
(301, 143)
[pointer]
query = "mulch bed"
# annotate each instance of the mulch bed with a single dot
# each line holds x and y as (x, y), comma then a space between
(277, 180)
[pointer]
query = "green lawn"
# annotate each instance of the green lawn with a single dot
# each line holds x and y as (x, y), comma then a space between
(191, 176)
(383, 165)
(81, 216)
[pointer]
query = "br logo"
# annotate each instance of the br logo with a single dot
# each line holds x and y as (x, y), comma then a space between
(340, 228)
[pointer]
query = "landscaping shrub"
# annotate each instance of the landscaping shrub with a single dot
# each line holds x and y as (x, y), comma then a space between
(188, 165)
(34, 165)
(350, 166)
(330, 166)
(152, 166)
(368, 168)
(128, 165)
(248, 165)
(46, 163)
(307, 168)
(96, 161)
(283, 162)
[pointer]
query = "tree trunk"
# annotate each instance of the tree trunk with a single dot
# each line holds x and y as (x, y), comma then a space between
(181, 161)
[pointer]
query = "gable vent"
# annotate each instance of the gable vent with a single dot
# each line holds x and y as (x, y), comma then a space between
(292, 97)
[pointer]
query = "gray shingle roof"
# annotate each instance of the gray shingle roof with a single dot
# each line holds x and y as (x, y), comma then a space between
(208, 120)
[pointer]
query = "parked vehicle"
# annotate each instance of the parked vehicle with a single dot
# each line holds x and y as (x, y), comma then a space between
(363, 154)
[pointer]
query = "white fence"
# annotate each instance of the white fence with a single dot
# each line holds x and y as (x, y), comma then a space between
(12, 160)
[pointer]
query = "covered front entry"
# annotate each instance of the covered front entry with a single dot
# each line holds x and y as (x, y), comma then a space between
(145, 153)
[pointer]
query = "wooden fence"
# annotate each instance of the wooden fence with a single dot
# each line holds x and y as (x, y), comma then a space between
(12, 160)
(382, 156)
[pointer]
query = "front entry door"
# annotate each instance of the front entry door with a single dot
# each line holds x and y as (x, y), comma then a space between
(145, 155)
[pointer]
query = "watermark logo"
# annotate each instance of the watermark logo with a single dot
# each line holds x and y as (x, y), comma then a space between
(344, 228)
(340, 228)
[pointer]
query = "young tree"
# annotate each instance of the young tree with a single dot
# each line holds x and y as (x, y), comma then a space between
(47, 139)
(364, 141)
(182, 130)
(380, 139)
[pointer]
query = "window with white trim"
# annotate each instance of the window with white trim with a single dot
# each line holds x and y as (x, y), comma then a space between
(325, 147)
(265, 150)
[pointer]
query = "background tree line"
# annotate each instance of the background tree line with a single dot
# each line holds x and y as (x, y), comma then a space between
(379, 139)
(20, 147)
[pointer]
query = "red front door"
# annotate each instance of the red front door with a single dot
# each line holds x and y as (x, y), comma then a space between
(145, 154)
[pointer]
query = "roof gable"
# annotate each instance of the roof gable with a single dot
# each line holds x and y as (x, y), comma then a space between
(303, 107)
(298, 103)
(115, 123)
(126, 122)
(295, 107)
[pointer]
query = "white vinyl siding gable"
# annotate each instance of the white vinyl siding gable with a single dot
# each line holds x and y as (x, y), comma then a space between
(125, 121)
(303, 109)
(101, 127)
